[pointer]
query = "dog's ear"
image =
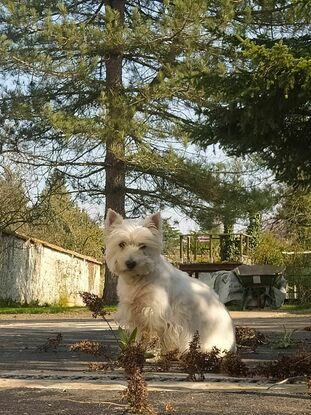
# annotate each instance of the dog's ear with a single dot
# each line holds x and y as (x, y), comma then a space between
(154, 221)
(112, 218)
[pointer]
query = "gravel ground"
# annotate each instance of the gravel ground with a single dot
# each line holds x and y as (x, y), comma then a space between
(78, 402)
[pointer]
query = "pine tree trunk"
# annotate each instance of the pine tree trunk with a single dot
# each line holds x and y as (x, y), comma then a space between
(115, 146)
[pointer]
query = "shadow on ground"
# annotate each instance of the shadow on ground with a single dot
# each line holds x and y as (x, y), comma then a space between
(79, 402)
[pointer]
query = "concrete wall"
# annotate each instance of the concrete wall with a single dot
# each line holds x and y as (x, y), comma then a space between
(33, 270)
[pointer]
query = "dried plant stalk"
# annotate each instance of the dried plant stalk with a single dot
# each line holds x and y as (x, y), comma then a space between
(88, 346)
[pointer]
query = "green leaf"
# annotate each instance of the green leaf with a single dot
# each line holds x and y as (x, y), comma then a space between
(132, 337)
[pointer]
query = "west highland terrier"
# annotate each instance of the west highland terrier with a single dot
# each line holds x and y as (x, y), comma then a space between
(157, 298)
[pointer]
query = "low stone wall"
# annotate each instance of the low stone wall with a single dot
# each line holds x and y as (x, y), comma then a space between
(36, 271)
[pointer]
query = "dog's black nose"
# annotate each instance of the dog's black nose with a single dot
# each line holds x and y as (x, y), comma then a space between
(130, 264)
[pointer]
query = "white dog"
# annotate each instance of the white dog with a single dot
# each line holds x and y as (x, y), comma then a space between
(157, 298)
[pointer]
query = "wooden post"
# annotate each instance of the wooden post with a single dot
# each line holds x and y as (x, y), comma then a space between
(188, 247)
(181, 248)
(241, 246)
(210, 247)
(247, 245)
(195, 248)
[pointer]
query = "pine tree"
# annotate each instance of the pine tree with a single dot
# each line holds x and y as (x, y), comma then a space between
(103, 91)
(260, 104)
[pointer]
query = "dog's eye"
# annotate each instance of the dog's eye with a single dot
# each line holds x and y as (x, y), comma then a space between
(142, 247)
(122, 244)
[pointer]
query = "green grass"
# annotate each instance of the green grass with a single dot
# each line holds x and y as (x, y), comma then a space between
(285, 307)
(55, 309)
(234, 307)
(294, 307)
(49, 309)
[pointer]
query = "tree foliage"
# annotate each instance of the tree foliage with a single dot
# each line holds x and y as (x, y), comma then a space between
(294, 217)
(170, 239)
(254, 228)
(260, 103)
(64, 223)
(106, 92)
(270, 249)
(249, 191)
(103, 90)
(14, 210)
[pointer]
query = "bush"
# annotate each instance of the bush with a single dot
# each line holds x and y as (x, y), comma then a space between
(269, 250)
(298, 276)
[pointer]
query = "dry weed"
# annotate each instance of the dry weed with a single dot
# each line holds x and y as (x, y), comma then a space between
(136, 394)
(95, 304)
(88, 346)
(232, 365)
(52, 343)
(132, 358)
(195, 362)
(167, 359)
(96, 366)
(169, 409)
(249, 337)
(298, 364)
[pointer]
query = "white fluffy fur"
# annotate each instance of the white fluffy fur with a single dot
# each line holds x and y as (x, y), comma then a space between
(157, 298)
